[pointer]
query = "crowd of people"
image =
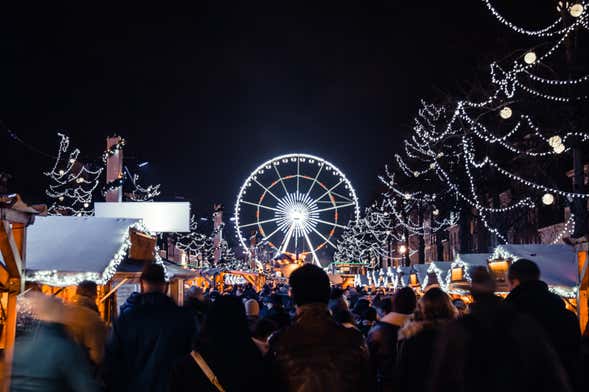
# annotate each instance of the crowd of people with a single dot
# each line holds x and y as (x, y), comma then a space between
(307, 336)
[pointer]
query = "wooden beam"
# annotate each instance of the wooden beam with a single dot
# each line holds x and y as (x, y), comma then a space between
(10, 251)
(14, 216)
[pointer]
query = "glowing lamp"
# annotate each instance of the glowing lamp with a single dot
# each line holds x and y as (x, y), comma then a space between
(413, 280)
(559, 149)
(505, 113)
(436, 212)
(548, 199)
(86, 205)
(402, 249)
(576, 10)
(555, 141)
(457, 274)
(61, 172)
(530, 57)
(72, 160)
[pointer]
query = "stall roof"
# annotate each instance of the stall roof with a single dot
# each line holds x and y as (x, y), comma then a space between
(474, 259)
(63, 250)
(557, 263)
(173, 270)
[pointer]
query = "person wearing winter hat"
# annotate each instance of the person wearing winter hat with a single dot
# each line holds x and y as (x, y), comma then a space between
(252, 313)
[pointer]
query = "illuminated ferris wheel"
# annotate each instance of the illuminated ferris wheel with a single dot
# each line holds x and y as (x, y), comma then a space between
(297, 204)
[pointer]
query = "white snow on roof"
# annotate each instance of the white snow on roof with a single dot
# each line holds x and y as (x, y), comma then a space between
(557, 263)
(67, 244)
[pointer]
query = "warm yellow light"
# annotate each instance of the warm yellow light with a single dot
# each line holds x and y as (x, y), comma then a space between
(548, 199)
(530, 57)
(457, 274)
(559, 149)
(402, 249)
(555, 141)
(576, 10)
(505, 113)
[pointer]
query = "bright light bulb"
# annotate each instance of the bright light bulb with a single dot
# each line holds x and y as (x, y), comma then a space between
(86, 205)
(559, 149)
(576, 10)
(61, 172)
(548, 199)
(555, 141)
(415, 174)
(436, 212)
(402, 249)
(72, 160)
(505, 113)
(60, 198)
(530, 57)
(407, 196)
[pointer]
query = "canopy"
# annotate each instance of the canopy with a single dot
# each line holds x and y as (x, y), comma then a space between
(64, 250)
(474, 259)
(557, 263)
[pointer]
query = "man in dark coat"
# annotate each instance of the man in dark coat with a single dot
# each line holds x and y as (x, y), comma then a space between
(316, 353)
(382, 338)
(530, 296)
(276, 312)
(148, 338)
(493, 348)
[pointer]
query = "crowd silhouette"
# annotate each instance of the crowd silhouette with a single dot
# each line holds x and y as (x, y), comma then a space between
(307, 336)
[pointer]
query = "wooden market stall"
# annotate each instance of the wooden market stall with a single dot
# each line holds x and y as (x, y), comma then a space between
(15, 217)
(65, 250)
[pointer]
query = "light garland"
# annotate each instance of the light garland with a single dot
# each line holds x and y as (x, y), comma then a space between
(73, 183)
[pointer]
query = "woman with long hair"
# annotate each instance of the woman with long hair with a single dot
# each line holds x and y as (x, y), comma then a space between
(417, 339)
(224, 358)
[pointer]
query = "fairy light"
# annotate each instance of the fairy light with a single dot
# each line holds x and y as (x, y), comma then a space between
(576, 10)
(530, 57)
(506, 113)
(548, 199)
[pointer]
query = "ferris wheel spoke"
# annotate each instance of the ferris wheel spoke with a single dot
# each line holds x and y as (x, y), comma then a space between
(329, 190)
(314, 180)
(298, 174)
(322, 236)
(280, 179)
(271, 234)
(312, 249)
(342, 196)
(328, 223)
(267, 190)
(335, 207)
(260, 205)
(286, 240)
(258, 223)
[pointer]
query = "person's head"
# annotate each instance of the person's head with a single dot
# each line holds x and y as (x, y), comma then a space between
(195, 292)
(87, 288)
(153, 279)
(369, 314)
(435, 305)
(404, 301)
(276, 301)
(481, 283)
(225, 322)
(383, 306)
(309, 284)
(522, 271)
(252, 308)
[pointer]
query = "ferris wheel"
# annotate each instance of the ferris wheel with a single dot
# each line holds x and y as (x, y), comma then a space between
(297, 204)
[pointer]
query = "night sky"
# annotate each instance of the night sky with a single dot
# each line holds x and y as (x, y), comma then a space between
(207, 93)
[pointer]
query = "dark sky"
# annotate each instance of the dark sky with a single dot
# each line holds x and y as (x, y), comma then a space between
(207, 93)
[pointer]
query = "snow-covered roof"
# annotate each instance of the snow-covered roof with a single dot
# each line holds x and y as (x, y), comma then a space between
(557, 263)
(474, 259)
(64, 250)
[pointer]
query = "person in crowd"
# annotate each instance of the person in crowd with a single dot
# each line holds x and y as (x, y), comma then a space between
(276, 311)
(226, 348)
(368, 318)
(529, 295)
(383, 305)
(315, 353)
(261, 332)
(493, 348)
(460, 306)
(382, 338)
(359, 309)
(148, 338)
(197, 304)
(339, 309)
(252, 313)
(48, 359)
(417, 338)
(84, 322)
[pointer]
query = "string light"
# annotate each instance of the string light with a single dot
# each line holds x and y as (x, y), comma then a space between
(506, 113)
(548, 199)
(530, 57)
(576, 10)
